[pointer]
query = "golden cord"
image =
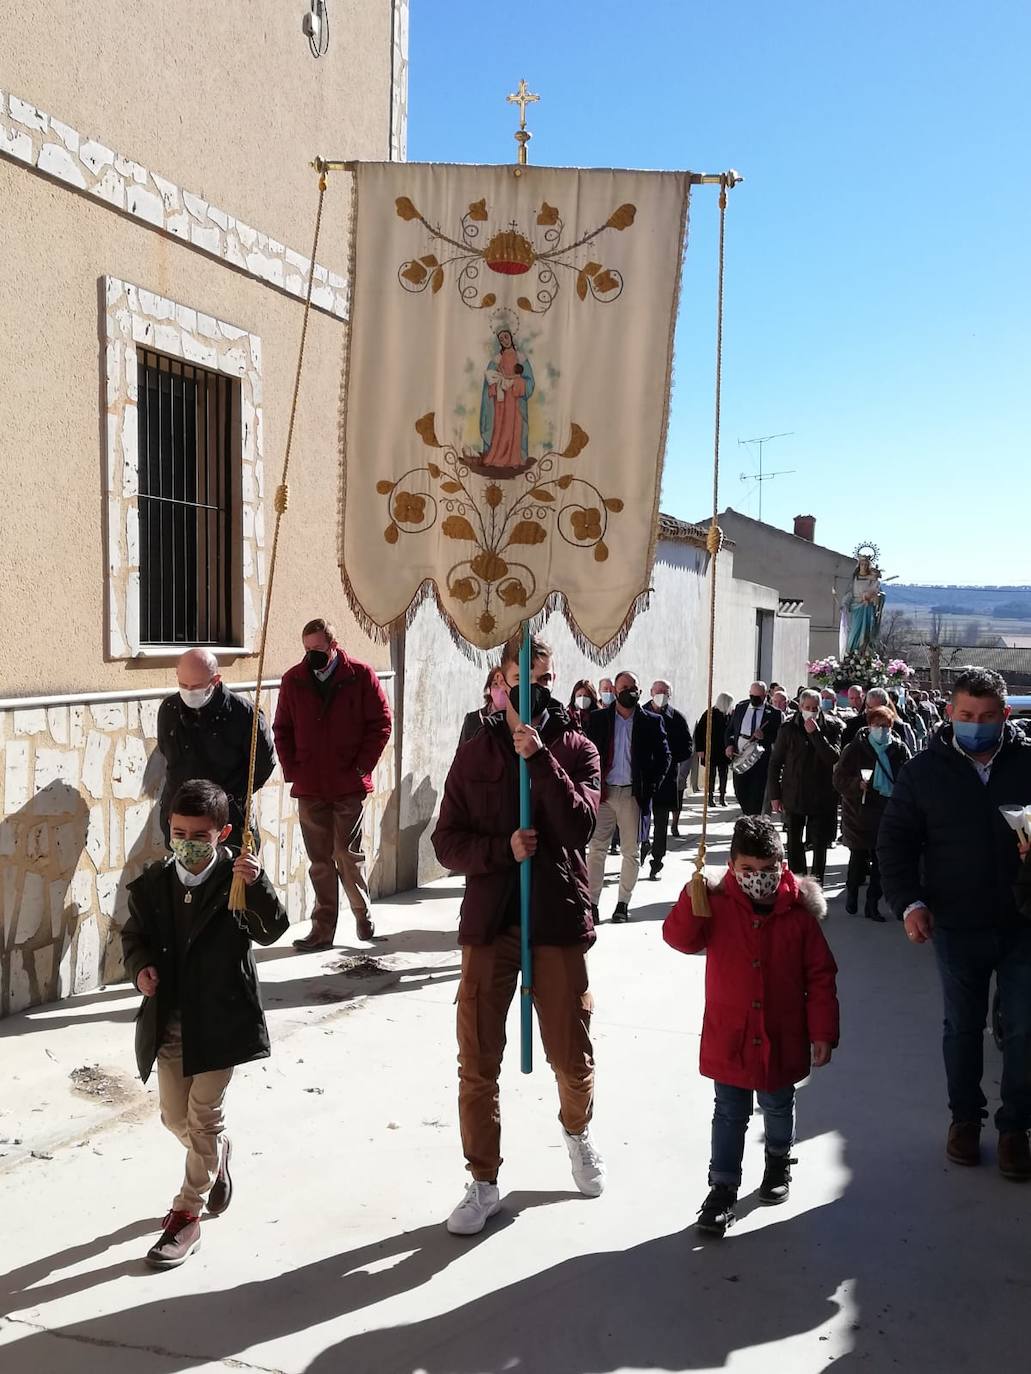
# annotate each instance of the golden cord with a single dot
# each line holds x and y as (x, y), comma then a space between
(238, 891)
(713, 543)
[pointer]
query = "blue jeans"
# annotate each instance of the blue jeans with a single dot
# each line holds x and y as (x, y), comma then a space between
(730, 1122)
(966, 961)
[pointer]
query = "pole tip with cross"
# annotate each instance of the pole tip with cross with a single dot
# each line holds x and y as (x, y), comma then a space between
(522, 97)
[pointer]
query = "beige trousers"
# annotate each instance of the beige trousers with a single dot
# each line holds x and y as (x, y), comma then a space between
(618, 808)
(193, 1110)
(332, 833)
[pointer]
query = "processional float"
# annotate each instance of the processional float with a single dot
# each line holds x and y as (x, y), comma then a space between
(504, 411)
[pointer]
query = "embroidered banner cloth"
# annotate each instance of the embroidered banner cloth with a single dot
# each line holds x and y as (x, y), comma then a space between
(506, 392)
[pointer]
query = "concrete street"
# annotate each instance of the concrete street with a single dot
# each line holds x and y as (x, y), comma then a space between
(334, 1259)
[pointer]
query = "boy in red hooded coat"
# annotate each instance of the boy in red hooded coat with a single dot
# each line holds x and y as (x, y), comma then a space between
(771, 1009)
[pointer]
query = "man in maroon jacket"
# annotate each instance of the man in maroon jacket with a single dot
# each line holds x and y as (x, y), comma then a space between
(478, 834)
(332, 724)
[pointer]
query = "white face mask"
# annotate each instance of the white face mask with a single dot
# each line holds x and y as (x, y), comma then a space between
(197, 697)
(607, 698)
(810, 715)
(583, 703)
(659, 700)
(760, 885)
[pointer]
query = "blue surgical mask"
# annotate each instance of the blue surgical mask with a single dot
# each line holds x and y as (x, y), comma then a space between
(975, 737)
(607, 698)
(826, 704)
(879, 734)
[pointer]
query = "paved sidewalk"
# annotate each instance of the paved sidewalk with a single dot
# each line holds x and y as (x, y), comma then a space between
(334, 1258)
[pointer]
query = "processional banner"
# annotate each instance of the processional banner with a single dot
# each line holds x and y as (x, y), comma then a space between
(506, 392)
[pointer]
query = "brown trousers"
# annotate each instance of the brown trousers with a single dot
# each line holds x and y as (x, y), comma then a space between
(193, 1109)
(490, 974)
(332, 832)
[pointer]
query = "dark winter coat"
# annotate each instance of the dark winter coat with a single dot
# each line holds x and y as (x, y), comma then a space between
(802, 766)
(473, 723)
(719, 733)
(330, 736)
(678, 736)
(213, 742)
(219, 1001)
(769, 726)
(769, 982)
(943, 840)
(650, 755)
(861, 820)
(479, 814)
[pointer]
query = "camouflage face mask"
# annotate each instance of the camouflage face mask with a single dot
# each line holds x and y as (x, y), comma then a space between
(190, 853)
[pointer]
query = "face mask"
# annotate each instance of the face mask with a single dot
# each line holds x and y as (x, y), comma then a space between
(190, 853)
(629, 697)
(607, 698)
(318, 659)
(756, 699)
(197, 697)
(583, 703)
(810, 715)
(879, 734)
(760, 885)
(499, 697)
(659, 700)
(538, 699)
(976, 738)
(826, 704)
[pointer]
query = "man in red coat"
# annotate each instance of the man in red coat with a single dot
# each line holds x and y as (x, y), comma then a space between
(771, 1008)
(478, 834)
(332, 724)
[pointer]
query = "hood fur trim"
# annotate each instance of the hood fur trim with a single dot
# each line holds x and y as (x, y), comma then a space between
(812, 897)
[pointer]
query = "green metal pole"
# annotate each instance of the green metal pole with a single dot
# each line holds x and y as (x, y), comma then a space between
(525, 869)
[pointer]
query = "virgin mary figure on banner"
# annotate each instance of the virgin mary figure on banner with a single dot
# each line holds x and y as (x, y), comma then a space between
(508, 384)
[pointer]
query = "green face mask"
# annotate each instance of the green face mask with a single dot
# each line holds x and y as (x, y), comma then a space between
(190, 853)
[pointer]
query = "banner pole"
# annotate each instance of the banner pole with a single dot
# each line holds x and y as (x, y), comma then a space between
(525, 868)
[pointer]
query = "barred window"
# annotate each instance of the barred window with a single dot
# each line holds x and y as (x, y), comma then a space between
(188, 497)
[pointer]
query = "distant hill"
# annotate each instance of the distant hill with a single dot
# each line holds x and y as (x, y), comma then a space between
(1002, 603)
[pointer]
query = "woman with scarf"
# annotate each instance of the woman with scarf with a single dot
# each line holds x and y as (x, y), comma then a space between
(878, 754)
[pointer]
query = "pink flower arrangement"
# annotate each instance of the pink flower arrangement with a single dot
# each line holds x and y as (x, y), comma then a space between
(899, 670)
(825, 671)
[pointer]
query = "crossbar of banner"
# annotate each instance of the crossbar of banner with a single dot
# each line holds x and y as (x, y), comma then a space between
(730, 178)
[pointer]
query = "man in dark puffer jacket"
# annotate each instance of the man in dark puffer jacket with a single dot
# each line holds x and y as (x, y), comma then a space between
(949, 863)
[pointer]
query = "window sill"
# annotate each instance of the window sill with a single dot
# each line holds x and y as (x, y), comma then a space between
(177, 650)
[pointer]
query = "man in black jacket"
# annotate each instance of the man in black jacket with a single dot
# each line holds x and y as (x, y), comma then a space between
(753, 723)
(204, 731)
(667, 797)
(949, 863)
(191, 958)
(801, 781)
(635, 758)
(876, 696)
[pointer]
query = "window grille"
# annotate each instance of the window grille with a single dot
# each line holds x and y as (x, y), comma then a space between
(187, 420)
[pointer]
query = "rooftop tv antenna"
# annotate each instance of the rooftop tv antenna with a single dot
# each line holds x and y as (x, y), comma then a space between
(760, 477)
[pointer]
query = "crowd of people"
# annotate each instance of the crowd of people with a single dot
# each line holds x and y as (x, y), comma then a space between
(916, 785)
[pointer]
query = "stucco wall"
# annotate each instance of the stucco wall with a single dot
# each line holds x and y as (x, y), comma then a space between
(79, 787)
(797, 569)
(224, 99)
(670, 640)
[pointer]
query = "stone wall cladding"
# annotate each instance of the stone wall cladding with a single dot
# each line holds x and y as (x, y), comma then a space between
(399, 83)
(79, 786)
(37, 139)
(136, 318)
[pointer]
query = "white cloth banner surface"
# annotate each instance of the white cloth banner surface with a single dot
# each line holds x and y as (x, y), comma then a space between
(506, 392)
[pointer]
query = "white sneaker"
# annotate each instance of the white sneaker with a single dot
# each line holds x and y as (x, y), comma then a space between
(588, 1165)
(481, 1202)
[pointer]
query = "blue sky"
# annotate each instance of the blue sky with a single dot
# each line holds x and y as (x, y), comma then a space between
(878, 298)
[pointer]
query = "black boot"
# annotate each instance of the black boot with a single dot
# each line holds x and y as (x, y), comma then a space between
(776, 1182)
(852, 900)
(717, 1211)
(872, 911)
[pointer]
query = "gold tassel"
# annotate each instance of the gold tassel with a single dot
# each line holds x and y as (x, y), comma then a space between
(238, 889)
(700, 888)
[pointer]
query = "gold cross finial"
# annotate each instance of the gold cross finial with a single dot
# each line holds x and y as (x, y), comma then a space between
(522, 97)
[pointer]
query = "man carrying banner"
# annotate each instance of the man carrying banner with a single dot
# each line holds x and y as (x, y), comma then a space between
(478, 834)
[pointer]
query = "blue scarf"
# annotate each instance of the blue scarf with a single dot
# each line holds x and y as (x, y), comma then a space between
(883, 778)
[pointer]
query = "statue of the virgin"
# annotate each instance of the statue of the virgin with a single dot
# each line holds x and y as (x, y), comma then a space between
(863, 604)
